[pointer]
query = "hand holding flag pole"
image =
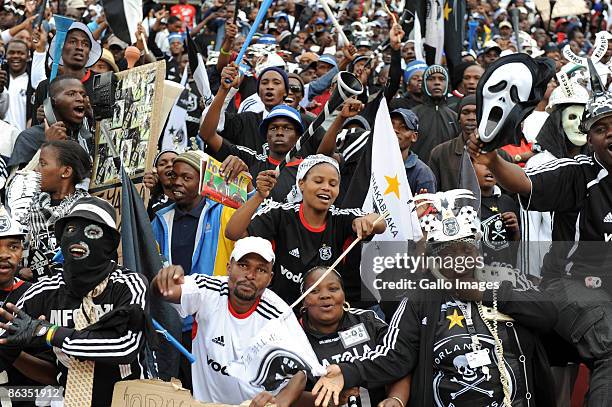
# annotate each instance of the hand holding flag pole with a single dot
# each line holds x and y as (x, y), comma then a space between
(338, 260)
(335, 23)
(263, 10)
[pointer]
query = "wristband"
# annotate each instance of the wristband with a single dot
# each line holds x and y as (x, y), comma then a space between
(398, 400)
(224, 52)
(51, 333)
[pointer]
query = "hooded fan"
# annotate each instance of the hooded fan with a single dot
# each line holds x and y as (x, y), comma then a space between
(508, 92)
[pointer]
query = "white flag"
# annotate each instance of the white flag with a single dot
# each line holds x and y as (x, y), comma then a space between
(434, 27)
(175, 136)
(278, 351)
(388, 191)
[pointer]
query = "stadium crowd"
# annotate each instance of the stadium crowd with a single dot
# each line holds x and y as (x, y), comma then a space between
(499, 110)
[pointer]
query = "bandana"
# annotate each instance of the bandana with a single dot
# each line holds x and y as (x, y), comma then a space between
(306, 165)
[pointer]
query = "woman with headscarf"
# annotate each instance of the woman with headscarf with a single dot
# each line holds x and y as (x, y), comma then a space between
(308, 233)
(62, 165)
(468, 338)
(338, 332)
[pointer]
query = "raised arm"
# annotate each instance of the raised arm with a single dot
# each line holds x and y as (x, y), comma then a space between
(510, 176)
(208, 128)
(237, 226)
(350, 108)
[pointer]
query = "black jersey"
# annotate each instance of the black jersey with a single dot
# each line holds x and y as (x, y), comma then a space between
(299, 246)
(359, 332)
(570, 186)
(118, 355)
(497, 241)
(285, 182)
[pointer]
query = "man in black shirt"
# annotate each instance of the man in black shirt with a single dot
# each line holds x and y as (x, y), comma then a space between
(281, 128)
(93, 308)
(576, 276)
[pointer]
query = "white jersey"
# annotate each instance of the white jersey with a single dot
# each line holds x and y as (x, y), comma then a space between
(222, 335)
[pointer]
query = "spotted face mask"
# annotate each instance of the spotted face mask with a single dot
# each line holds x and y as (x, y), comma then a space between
(508, 91)
(88, 251)
(570, 117)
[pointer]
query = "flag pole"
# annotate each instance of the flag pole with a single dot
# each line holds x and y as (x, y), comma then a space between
(338, 260)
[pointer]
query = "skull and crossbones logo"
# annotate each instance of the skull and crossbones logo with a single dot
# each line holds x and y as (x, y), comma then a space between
(469, 377)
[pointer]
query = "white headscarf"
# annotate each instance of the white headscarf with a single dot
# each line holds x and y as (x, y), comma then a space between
(306, 165)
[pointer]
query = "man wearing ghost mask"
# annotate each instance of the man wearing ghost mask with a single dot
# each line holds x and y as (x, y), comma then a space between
(576, 274)
(565, 109)
(94, 310)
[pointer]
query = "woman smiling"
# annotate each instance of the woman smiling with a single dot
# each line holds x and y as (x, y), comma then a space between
(340, 333)
(305, 234)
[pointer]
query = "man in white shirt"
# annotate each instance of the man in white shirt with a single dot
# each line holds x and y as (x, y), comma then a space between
(229, 311)
(17, 54)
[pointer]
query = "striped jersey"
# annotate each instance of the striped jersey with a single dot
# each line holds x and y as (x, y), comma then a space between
(222, 335)
(118, 356)
(579, 192)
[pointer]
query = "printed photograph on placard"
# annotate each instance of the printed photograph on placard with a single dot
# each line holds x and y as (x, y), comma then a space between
(135, 115)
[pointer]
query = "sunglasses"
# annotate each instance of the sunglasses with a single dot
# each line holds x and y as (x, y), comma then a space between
(295, 89)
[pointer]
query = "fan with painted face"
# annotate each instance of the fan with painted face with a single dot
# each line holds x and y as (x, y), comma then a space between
(508, 92)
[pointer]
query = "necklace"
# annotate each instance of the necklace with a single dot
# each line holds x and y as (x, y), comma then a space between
(499, 349)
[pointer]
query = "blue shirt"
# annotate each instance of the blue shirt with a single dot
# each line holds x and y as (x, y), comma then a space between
(419, 175)
(184, 229)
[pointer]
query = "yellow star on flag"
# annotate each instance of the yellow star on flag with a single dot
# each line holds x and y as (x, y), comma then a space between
(447, 10)
(455, 319)
(392, 186)
(494, 209)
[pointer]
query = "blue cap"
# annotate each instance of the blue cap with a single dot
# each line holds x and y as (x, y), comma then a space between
(319, 20)
(410, 119)
(328, 59)
(175, 37)
(282, 111)
(413, 67)
(267, 39)
(281, 15)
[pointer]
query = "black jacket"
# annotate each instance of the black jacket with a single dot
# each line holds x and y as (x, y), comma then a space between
(117, 349)
(437, 123)
(409, 349)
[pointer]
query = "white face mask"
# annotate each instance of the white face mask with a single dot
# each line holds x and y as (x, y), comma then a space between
(570, 117)
(507, 85)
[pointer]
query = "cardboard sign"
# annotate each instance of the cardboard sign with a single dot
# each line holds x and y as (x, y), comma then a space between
(156, 393)
(134, 128)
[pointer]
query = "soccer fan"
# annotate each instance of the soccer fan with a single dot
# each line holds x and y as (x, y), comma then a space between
(310, 232)
(93, 310)
(228, 311)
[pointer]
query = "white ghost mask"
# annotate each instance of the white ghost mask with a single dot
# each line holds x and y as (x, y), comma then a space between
(508, 85)
(570, 117)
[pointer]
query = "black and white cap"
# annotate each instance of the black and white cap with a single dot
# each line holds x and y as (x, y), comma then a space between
(9, 226)
(599, 104)
(92, 208)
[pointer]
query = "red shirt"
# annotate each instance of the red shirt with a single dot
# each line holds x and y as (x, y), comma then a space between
(186, 12)
(514, 150)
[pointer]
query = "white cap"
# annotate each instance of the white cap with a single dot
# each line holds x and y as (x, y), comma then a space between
(8, 225)
(252, 244)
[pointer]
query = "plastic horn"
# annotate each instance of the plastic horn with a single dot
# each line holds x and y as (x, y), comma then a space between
(263, 10)
(515, 26)
(160, 329)
(473, 25)
(347, 86)
(332, 17)
(131, 54)
(62, 24)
